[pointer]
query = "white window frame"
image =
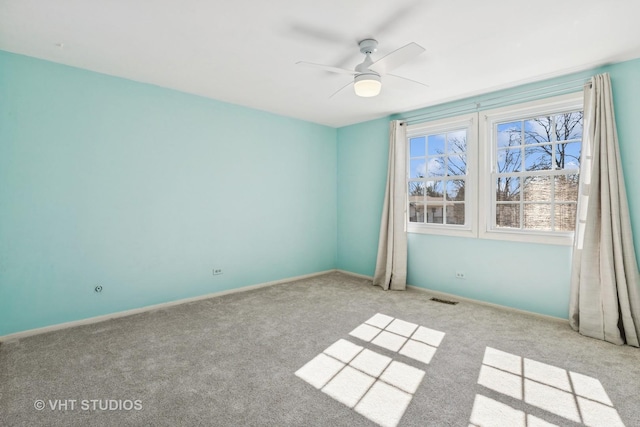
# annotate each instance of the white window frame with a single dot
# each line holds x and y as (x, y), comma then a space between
(470, 122)
(487, 121)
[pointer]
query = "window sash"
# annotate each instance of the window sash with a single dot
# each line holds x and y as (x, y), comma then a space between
(490, 206)
(444, 208)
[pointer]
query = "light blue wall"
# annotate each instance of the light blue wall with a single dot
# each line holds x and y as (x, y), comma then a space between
(144, 190)
(531, 277)
(363, 152)
(625, 79)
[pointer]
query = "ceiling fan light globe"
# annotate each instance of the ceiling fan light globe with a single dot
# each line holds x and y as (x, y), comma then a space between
(367, 85)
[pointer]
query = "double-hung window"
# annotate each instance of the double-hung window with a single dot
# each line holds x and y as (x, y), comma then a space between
(441, 176)
(529, 187)
(509, 173)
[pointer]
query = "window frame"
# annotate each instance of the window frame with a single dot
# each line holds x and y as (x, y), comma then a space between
(487, 136)
(470, 123)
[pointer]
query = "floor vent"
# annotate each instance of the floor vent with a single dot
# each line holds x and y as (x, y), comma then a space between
(444, 301)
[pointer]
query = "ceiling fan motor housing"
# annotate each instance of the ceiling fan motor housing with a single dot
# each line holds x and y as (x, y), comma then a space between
(366, 82)
(368, 46)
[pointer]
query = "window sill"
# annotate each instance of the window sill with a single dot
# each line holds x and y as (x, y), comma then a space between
(458, 231)
(506, 235)
(565, 239)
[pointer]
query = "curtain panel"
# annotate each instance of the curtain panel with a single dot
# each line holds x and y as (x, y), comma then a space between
(605, 284)
(391, 264)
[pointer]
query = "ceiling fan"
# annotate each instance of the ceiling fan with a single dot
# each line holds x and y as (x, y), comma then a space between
(367, 75)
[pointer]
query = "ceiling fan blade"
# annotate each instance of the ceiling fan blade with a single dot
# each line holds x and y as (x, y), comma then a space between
(327, 68)
(396, 58)
(409, 80)
(339, 90)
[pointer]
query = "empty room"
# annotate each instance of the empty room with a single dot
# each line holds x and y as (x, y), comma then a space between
(305, 213)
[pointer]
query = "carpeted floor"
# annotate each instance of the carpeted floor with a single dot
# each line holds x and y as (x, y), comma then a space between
(327, 351)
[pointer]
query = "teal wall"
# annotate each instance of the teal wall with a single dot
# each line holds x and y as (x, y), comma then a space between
(363, 153)
(144, 191)
(626, 94)
(530, 277)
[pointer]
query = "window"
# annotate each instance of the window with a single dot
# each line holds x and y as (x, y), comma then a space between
(441, 190)
(523, 186)
(531, 170)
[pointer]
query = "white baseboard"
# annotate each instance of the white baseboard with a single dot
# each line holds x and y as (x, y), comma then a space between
(125, 313)
(485, 303)
(468, 300)
(360, 276)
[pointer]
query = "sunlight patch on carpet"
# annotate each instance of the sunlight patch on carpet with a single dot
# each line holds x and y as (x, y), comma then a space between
(491, 413)
(573, 396)
(374, 385)
(409, 339)
(389, 341)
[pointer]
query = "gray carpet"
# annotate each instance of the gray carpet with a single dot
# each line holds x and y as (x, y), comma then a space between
(231, 361)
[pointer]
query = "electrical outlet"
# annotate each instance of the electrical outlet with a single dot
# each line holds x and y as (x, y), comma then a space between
(460, 275)
(217, 271)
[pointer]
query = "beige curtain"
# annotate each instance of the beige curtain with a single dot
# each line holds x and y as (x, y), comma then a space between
(391, 265)
(605, 284)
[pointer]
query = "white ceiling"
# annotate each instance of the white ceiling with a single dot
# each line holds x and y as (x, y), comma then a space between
(244, 51)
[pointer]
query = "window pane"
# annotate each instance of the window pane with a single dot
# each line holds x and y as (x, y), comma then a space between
(434, 214)
(509, 160)
(417, 146)
(457, 165)
(568, 155)
(435, 144)
(455, 214)
(509, 134)
(537, 216)
(565, 217)
(455, 189)
(435, 167)
(416, 212)
(508, 189)
(538, 158)
(418, 168)
(508, 215)
(457, 142)
(537, 188)
(416, 188)
(538, 130)
(435, 191)
(569, 126)
(566, 188)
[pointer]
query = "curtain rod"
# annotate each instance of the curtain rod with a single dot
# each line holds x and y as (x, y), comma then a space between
(565, 87)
